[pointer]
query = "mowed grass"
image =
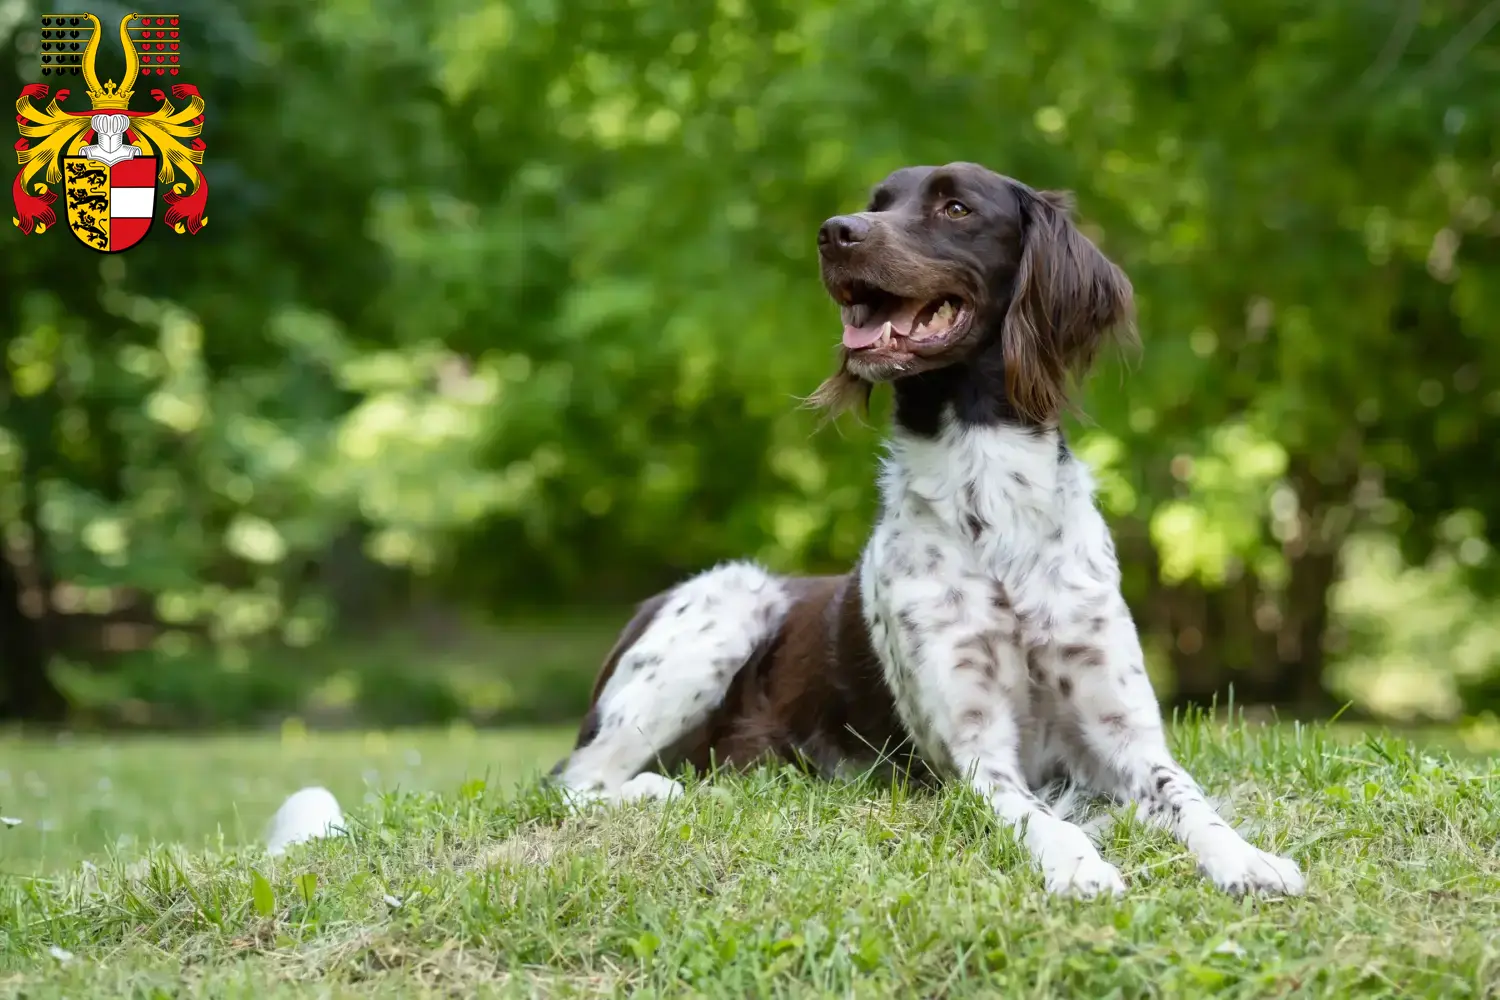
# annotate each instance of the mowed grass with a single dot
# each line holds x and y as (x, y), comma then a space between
(773, 884)
(83, 797)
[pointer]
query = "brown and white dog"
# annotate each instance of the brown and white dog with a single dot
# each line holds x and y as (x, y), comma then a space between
(983, 635)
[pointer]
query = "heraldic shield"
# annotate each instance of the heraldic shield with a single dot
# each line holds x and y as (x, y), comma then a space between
(110, 205)
(110, 160)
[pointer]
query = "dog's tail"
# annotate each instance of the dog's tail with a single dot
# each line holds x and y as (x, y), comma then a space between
(307, 814)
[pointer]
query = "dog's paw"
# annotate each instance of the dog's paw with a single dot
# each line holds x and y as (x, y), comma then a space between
(1085, 878)
(1243, 868)
(649, 786)
(580, 800)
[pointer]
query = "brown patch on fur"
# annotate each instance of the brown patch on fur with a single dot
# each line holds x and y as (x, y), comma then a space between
(999, 599)
(1088, 656)
(989, 644)
(1034, 666)
(971, 495)
(985, 667)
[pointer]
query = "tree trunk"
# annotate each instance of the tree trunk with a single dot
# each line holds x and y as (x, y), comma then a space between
(1193, 645)
(1181, 616)
(26, 691)
(1290, 675)
(26, 637)
(1296, 683)
(1217, 639)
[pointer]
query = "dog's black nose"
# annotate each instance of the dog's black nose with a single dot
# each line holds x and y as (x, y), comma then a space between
(841, 232)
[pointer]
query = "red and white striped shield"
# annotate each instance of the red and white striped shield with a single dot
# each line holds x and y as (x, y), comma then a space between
(110, 206)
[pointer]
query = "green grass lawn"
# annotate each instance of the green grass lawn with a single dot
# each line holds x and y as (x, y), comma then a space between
(85, 797)
(766, 885)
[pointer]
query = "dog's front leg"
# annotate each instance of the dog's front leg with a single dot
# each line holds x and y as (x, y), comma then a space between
(1070, 863)
(1099, 674)
(949, 652)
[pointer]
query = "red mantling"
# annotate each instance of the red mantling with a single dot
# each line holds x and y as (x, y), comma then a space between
(32, 208)
(188, 209)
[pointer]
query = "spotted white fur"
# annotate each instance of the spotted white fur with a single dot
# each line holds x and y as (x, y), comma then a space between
(992, 597)
(992, 594)
(673, 676)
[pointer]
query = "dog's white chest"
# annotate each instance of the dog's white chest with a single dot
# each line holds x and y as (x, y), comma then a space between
(988, 541)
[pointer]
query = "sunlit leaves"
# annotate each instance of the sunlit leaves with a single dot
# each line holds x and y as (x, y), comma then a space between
(255, 540)
(1216, 523)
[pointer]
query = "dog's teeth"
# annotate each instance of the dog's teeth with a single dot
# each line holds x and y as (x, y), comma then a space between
(944, 314)
(885, 333)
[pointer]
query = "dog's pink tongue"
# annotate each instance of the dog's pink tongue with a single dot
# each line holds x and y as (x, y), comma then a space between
(902, 317)
(857, 338)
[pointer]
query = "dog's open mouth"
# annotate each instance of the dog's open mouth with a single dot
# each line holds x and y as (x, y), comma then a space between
(875, 319)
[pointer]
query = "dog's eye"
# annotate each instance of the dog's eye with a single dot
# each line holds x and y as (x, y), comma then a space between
(955, 210)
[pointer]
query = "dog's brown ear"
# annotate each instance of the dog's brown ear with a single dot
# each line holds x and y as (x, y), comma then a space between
(1068, 298)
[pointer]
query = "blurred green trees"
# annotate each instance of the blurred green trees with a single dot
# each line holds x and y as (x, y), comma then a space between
(508, 306)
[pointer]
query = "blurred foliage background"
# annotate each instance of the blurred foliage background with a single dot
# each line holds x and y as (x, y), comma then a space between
(503, 311)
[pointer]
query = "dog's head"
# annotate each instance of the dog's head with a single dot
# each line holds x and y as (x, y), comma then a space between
(957, 264)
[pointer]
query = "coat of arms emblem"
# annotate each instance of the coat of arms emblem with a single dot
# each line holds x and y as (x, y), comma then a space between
(110, 159)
